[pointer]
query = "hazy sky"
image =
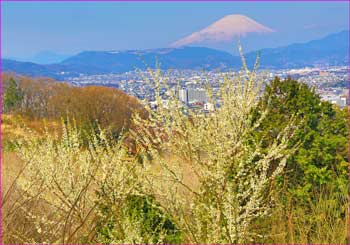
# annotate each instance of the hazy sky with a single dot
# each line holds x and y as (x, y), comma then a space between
(70, 27)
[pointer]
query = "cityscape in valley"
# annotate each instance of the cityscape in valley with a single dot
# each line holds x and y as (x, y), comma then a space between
(330, 83)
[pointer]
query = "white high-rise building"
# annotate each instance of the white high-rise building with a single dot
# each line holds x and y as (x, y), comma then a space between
(189, 96)
(183, 95)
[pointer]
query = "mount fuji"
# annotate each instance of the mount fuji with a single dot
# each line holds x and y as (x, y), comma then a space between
(225, 30)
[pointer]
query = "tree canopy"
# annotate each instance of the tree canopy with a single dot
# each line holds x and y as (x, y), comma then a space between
(321, 157)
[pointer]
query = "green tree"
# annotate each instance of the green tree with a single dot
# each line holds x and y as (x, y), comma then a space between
(12, 96)
(321, 158)
(153, 224)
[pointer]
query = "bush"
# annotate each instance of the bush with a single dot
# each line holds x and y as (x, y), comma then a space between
(153, 224)
(58, 185)
(207, 171)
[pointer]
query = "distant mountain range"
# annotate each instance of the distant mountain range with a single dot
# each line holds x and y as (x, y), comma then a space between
(331, 50)
(48, 57)
(43, 57)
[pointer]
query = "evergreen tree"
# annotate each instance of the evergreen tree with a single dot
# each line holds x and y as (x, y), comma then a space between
(12, 96)
(321, 158)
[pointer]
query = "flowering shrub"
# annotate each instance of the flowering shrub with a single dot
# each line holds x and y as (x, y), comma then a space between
(207, 171)
(62, 175)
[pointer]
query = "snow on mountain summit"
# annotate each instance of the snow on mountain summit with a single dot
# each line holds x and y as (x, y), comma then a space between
(224, 30)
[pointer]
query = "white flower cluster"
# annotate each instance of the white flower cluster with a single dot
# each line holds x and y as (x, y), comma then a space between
(64, 175)
(207, 171)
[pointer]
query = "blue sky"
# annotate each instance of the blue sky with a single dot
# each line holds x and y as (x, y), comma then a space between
(71, 27)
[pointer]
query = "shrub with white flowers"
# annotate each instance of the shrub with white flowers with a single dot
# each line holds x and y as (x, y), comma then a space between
(206, 170)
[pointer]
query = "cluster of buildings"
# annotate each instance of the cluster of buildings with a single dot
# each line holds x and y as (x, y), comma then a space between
(336, 100)
(331, 83)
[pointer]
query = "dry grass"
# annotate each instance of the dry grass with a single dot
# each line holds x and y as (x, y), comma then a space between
(321, 220)
(17, 226)
(15, 126)
(11, 166)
